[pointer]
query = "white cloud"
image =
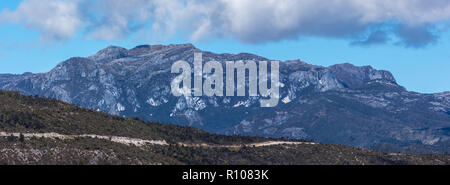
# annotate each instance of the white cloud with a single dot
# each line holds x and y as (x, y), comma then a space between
(55, 19)
(271, 20)
(411, 22)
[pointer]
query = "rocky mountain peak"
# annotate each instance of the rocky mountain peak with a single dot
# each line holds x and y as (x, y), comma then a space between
(111, 52)
(357, 76)
(181, 45)
(145, 49)
(115, 52)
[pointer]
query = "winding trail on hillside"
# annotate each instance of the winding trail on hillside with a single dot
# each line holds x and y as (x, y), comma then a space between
(143, 142)
(260, 144)
(117, 139)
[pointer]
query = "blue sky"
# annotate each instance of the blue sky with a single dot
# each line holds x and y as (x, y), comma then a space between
(414, 47)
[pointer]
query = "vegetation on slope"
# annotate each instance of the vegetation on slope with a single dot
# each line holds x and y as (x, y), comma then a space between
(19, 113)
(27, 114)
(98, 151)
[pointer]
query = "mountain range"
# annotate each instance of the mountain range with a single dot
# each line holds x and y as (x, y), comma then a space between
(339, 104)
(36, 130)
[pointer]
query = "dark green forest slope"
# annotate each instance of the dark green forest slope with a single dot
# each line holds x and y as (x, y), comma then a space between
(27, 114)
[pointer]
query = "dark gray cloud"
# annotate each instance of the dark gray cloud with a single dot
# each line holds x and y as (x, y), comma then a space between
(411, 23)
(374, 38)
(416, 36)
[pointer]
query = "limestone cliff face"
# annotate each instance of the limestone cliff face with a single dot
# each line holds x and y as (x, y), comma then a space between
(343, 103)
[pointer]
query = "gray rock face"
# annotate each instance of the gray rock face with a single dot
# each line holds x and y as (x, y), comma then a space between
(343, 103)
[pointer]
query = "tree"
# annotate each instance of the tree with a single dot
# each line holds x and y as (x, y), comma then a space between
(21, 138)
